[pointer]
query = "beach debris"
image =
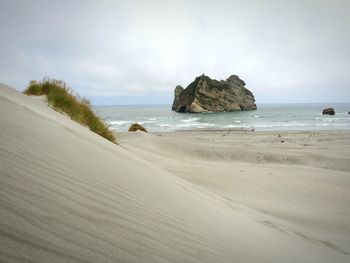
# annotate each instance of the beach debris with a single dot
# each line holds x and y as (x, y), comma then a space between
(328, 111)
(137, 127)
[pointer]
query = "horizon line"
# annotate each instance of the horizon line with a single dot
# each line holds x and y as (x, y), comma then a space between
(166, 104)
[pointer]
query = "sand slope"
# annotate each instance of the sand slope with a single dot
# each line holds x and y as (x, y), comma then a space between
(295, 182)
(68, 195)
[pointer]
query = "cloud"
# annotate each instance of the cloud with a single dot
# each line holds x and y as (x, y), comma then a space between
(285, 51)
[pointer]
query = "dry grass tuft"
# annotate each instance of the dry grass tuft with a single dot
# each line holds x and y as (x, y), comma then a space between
(136, 126)
(62, 98)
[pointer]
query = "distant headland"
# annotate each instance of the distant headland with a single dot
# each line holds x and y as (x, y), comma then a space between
(205, 94)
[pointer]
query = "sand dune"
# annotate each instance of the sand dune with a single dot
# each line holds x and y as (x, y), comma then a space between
(301, 180)
(68, 195)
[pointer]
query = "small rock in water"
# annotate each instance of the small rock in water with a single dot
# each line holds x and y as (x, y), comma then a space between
(328, 111)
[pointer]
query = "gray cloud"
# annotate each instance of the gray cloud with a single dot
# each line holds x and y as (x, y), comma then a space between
(286, 51)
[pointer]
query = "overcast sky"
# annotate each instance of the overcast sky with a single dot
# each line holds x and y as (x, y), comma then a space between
(131, 52)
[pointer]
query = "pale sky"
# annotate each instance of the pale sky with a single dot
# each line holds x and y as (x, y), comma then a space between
(131, 52)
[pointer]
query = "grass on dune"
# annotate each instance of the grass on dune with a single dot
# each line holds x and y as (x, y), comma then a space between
(62, 98)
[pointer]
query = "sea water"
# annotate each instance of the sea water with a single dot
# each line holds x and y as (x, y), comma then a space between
(268, 117)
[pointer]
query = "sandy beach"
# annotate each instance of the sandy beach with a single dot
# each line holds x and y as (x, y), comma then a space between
(69, 195)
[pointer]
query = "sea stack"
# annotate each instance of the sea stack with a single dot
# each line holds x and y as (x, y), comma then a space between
(328, 111)
(205, 94)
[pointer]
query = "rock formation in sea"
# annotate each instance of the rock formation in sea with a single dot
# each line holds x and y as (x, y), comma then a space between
(177, 92)
(328, 111)
(205, 94)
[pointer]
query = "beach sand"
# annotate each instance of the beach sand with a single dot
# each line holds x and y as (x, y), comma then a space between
(69, 195)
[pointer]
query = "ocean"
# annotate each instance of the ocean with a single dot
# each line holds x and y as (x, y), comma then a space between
(268, 117)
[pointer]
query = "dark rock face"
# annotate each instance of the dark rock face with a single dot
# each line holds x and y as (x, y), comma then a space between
(328, 111)
(206, 94)
(177, 92)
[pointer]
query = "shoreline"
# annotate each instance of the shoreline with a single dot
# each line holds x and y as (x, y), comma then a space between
(270, 118)
(242, 131)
